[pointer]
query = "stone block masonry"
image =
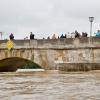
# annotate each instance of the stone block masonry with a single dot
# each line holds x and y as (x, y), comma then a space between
(72, 54)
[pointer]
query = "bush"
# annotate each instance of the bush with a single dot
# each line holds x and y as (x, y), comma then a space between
(31, 65)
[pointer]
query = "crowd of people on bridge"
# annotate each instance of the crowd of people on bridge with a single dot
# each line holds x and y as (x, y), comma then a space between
(75, 34)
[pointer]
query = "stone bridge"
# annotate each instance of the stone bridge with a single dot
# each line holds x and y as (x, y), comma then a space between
(61, 54)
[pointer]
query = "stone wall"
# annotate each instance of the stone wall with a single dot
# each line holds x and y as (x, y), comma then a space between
(62, 54)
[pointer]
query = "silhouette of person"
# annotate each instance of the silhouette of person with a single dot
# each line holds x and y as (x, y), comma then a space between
(31, 35)
(77, 35)
(11, 36)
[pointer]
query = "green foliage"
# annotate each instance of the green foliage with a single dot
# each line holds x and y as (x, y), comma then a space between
(31, 65)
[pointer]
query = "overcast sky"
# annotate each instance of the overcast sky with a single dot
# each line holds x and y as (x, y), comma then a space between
(45, 17)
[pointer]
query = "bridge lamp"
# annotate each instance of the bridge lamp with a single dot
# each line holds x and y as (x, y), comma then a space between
(1, 33)
(91, 19)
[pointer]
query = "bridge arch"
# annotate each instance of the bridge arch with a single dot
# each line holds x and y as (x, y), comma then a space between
(14, 63)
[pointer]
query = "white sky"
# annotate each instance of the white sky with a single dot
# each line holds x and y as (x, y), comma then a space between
(45, 17)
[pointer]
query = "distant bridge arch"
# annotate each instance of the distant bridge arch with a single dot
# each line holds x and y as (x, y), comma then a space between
(14, 63)
(29, 54)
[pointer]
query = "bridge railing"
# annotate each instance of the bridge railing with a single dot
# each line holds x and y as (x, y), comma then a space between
(55, 43)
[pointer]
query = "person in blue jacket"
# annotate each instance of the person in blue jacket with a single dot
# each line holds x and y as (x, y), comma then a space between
(98, 33)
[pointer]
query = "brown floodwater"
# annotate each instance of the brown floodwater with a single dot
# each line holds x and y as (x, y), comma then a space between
(50, 85)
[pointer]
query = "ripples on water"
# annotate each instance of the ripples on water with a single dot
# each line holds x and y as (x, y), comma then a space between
(49, 86)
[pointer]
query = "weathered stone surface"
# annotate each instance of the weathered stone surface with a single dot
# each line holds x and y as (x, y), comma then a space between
(57, 53)
(79, 66)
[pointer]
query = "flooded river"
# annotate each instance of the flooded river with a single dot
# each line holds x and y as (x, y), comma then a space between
(50, 85)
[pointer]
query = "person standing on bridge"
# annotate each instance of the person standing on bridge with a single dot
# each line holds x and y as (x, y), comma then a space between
(98, 33)
(11, 36)
(31, 35)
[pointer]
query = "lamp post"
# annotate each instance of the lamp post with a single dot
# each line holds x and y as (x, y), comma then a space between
(1, 33)
(91, 19)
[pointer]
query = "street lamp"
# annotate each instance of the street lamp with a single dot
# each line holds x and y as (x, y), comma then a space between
(91, 19)
(1, 33)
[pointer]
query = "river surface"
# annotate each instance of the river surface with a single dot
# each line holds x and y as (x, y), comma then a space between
(50, 85)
